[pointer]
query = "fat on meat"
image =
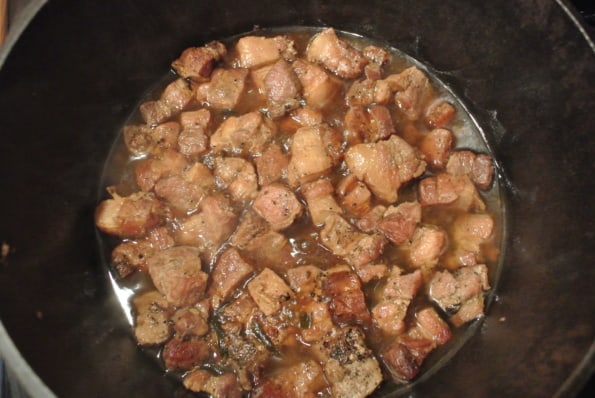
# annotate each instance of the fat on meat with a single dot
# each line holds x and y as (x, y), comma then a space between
(398, 223)
(237, 176)
(255, 51)
(248, 134)
(436, 146)
(225, 89)
(478, 167)
(319, 88)
(269, 291)
(428, 243)
(148, 171)
(278, 205)
(447, 189)
(412, 90)
(347, 300)
(309, 157)
(355, 196)
(336, 55)
(320, 200)
(196, 63)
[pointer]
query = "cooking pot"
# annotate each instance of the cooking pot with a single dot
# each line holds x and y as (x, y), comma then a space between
(525, 69)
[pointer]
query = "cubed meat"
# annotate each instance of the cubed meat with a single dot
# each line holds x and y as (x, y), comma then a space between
(369, 221)
(470, 231)
(436, 146)
(177, 95)
(301, 380)
(254, 51)
(186, 190)
(272, 165)
(184, 354)
(355, 197)
(250, 226)
(368, 92)
(138, 139)
(404, 356)
(434, 327)
(237, 176)
(368, 124)
(384, 166)
(321, 203)
(152, 318)
(282, 87)
(306, 116)
(316, 320)
(248, 134)
(398, 223)
(336, 55)
(377, 55)
(230, 271)
(155, 112)
(193, 142)
(369, 272)
(440, 115)
(347, 300)
(217, 386)
(412, 89)
(309, 156)
(150, 170)
(224, 90)
(196, 63)
(469, 310)
(269, 291)
(165, 136)
(318, 87)
(192, 321)
(278, 205)
(427, 245)
(451, 290)
(209, 228)
(129, 217)
(451, 190)
(304, 279)
(176, 273)
(200, 118)
(478, 167)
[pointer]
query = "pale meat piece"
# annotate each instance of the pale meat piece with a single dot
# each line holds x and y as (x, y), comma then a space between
(254, 51)
(176, 273)
(217, 386)
(398, 223)
(432, 326)
(451, 190)
(336, 55)
(191, 321)
(237, 176)
(193, 142)
(138, 139)
(427, 245)
(369, 272)
(177, 95)
(469, 231)
(200, 118)
(272, 165)
(230, 271)
(318, 87)
(224, 90)
(186, 190)
(248, 134)
(282, 87)
(412, 89)
(469, 310)
(185, 354)
(148, 171)
(368, 124)
(306, 116)
(478, 167)
(305, 279)
(368, 92)
(131, 216)
(196, 63)
(355, 197)
(369, 221)
(439, 115)
(436, 146)
(316, 317)
(209, 228)
(377, 55)
(278, 205)
(347, 300)
(155, 112)
(301, 380)
(385, 165)
(152, 318)
(349, 365)
(269, 291)
(309, 157)
(165, 136)
(320, 200)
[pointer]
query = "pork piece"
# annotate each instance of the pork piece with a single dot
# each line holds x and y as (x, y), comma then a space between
(200, 118)
(131, 216)
(460, 291)
(385, 165)
(469, 231)
(427, 245)
(131, 255)
(138, 139)
(301, 380)
(155, 112)
(398, 223)
(225, 89)
(306, 116)
(272, 165)
(389, 313)
(248, 134)
(184, 354)
(209, 228)
(368, 92)
(305, 279)
(165, 136)
(193, 142)
(282, 87)
(230, 271)
(192, 321)
(368, 222)
(368, 125)
(447, 189)
(217, 386)
(196, 63)
(439, 115)
(254, 51)
(478, 167)
(186, 190)
(237, 176)
(377, 55)
(412, 88)
(432, 326)
(355, 197)
(152, 318)
(149, 171)
(436, 147)
(369, 272)
(177, 95)
(349, 365)
(278, 205)
(269, 291)
(176, 273)
(354, 247)
(316, 320)
(309, 156)
(321, 203)
(347, 300)
(318, 87)
(336, 55)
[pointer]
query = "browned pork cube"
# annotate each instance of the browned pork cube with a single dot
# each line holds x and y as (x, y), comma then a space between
(186, 190)
(347, 300)
(398, 223)
(225, 89)
(177, 95)
(229, 272)
(282, 88)
(152, 318)
(336, 55)
(278, 205)
(319, 88)
(356, 198)
(440, 114)
(301, 380)
(321, 203)
(309, 156)
(436, 147)
(223, 386)
(412, 89)
(448, 189)
(255, 51)
(237, 176)
(427, 244)
(478, 167)
(184, 354)
(272, 165)
(248, 134)
(269, 291)
(196, 63)
(150, 170)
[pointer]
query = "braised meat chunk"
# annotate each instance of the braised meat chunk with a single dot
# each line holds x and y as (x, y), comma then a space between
(336, 55)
